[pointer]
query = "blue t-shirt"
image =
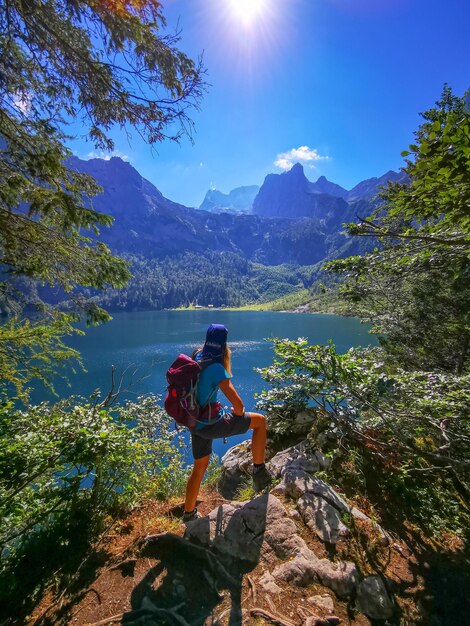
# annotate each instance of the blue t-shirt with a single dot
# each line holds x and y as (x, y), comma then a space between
(208, 383)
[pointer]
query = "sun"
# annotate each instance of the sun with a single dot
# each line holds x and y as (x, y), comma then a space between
(247, 11)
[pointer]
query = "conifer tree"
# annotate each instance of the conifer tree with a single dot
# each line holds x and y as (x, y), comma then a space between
(416, 286)
(96, 65)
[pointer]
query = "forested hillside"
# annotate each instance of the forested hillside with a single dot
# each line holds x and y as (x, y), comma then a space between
(220, 279)
(180, 256)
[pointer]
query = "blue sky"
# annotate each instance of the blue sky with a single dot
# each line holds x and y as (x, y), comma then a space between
(335, 84)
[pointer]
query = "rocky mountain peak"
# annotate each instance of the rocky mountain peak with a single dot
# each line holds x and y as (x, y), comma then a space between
(370, 187)
(239, 200)
(291, 194)
(323, 185)
(296, 170)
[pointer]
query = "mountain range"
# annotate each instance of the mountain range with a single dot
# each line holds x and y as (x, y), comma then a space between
(292, 223)
(291, 194)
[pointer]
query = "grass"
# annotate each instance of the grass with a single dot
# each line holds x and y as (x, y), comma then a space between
(325, 302)
(245, 492)
(164, 524)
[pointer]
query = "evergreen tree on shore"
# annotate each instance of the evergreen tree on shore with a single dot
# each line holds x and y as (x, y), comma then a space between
(88, 62)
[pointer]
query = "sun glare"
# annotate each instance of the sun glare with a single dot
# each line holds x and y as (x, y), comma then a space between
(247, 10)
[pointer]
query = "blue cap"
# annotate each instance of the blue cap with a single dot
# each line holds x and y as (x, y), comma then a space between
(216, 340)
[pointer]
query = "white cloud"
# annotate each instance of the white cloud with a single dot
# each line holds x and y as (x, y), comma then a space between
(303, 154)
(106, 156)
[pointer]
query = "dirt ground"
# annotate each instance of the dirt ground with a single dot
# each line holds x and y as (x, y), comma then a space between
(124, 571)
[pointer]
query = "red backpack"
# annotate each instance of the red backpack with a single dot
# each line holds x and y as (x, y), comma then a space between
(181, 398)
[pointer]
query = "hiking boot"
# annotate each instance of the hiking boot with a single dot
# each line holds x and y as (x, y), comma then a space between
(189, 516)
(262, 478)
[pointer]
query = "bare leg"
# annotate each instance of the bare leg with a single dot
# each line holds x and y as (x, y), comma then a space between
(194, 482)
(258, 441)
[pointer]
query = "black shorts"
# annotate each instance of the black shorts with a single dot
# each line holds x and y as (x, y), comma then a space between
(230, 424)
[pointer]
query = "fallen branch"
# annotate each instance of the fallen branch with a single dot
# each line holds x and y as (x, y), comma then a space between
(270, 601)
(252, 588)
(108, 620)
(274, 619)
(443, 427)
(304, 612)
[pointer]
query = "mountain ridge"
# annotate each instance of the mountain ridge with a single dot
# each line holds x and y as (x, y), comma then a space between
(287, 195)
(181, 255)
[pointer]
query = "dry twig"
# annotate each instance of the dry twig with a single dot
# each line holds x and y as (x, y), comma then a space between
(269, 617)
(252, 588)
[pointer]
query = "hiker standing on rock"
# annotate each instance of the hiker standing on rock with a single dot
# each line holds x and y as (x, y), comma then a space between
(215, 361)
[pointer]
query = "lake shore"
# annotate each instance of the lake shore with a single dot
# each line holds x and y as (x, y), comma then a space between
(328, 303)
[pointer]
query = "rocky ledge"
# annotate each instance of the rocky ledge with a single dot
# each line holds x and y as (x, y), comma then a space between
(274, 530)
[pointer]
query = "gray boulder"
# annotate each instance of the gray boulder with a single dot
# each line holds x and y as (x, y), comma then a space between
(373, 599)
(340, 576)
(321, 518)
(258, 530)
(300, 456)
(268, 584)
(295, 482)
(320, 488)
(324, 602)
(307, 568)
(262, 530)
(235, 469)
(299, 572)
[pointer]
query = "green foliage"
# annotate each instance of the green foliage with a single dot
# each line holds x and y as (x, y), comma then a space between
(316, 299)
(213, 472)
(54, 69)
(419, 308)
(271, 282)
(415, 288)
(66, 470)
(433, 206)
(439, 190)
(57, 459)
(102, 64)
(413, 428)
(218, 278)
(34, 350)
(245, 491)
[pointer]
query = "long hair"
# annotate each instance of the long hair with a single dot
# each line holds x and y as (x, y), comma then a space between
(195, 351)
(228, 359)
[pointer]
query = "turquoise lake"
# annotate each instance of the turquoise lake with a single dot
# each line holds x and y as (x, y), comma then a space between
(142, 345)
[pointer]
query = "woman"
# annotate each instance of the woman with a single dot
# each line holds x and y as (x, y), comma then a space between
(214, 359)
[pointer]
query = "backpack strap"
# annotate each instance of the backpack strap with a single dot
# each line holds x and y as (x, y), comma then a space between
(177, 426)
(208, 403)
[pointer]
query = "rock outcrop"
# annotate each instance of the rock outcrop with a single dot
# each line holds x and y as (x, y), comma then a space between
(272, 531)
(262, 531)
(291, 194)
(373, 598)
